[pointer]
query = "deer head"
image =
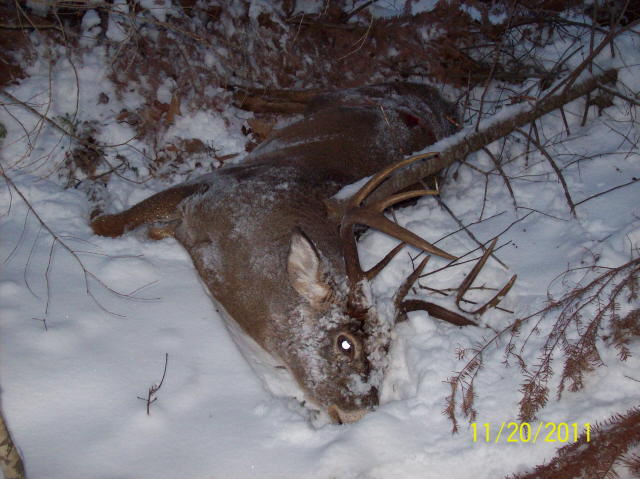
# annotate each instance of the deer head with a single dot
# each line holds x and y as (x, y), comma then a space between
(332, 362)
(339, 356)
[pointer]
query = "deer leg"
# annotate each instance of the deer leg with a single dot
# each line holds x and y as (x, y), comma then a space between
(161, 207)
(165, 231)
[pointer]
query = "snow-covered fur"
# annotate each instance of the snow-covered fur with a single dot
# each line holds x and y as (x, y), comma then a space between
(266, 248)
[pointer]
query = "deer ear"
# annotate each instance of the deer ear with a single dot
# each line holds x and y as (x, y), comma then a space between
(305, 272)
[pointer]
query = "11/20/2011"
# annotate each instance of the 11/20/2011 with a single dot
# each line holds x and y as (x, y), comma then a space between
(524, 432)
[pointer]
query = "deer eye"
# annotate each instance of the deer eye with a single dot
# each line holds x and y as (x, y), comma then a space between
(346, 345)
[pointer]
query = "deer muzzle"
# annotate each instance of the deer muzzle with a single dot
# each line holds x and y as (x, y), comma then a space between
(338, 416)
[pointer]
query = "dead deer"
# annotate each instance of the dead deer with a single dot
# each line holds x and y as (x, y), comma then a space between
(279, 256)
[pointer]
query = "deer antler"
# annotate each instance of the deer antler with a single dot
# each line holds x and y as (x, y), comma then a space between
(373, 216)
(403, 306)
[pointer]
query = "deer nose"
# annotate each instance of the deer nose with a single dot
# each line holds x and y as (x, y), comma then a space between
(338, 416)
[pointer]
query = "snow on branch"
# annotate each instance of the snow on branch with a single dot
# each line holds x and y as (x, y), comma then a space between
(471, 139)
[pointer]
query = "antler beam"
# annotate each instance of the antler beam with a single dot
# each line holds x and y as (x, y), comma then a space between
(373, 216)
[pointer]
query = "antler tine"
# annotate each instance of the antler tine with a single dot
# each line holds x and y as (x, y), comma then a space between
(379, 177)
(468, 281)
(373, 272)
(404, 306)
(405, 287)
(470, 278)
(375, 219)
(392, 200)
(372, 216)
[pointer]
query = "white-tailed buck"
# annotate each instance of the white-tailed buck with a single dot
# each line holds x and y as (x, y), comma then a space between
(279, 256)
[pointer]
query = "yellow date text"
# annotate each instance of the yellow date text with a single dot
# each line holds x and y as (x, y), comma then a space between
(512, 432)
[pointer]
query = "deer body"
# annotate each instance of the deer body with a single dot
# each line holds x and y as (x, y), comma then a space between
(273, 258)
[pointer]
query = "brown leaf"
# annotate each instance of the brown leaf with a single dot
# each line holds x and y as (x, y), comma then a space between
(173, 110)
(261, 128)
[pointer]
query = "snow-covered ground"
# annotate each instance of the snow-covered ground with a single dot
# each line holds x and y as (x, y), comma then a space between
(73, 365)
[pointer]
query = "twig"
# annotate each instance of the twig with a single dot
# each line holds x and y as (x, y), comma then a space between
(564, 120)
(633, 180)
(568, 82)
(542, 149)
(358, 9)
(56, 239)
(457, 262)
(96, 147)
(151, 395)
(496, 163)
(615, 92)
(330, 25)
(585, 112)
(532, 210)
(22, 233)
(5, 26)
(469, 224)
(497, 48)
(91, 146)
(466, 230)
(361, 41)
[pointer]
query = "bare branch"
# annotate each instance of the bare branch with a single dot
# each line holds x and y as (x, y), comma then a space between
(563, 182)
(633, 180)
(88, 275)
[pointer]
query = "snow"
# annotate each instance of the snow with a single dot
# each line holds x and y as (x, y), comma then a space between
(117, 30)
(72, 365)
(210, 128)
(90, 20)
(158, 8)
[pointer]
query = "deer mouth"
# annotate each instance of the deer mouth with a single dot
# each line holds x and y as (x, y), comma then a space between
(338, 416)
